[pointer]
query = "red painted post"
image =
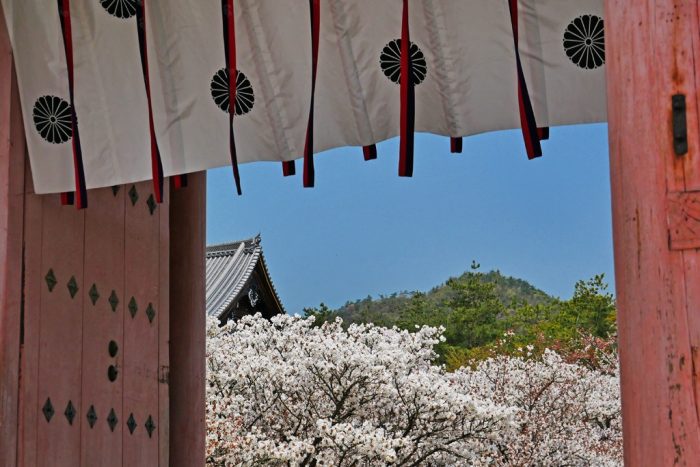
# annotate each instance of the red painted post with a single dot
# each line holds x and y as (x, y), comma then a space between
(652, 54)
(187, 323)
(27, 445)
(12, 150)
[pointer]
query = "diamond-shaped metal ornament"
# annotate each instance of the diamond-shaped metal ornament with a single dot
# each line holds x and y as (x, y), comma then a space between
(48, 410)
(91, 416)
(115, 190)
(150, 312)
(72, 286)
(133, 195)
(150, 426)
(70, 412)
(94, 294)
(131, 423)
(151, 202)
(133, 308)
(50, 279)
(113, 300)
(112, 419)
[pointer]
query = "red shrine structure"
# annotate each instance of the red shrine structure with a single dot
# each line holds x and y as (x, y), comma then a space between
(102, 334)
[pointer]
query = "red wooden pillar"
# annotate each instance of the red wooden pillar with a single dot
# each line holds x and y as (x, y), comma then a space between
(187, 323)
(11, 231)
(653, 53)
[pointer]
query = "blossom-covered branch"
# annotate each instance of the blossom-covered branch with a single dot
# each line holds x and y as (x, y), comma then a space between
(288, 393)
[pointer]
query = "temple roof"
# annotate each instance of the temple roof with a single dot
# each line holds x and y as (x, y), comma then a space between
(229, 270)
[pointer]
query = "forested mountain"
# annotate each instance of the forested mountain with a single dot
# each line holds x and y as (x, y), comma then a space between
(386, 310)
(477, 309)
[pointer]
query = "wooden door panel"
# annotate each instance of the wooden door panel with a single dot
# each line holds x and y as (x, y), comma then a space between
(163, 425)
(103, 317)
(95, 297)
(60, 333)
(142, 247)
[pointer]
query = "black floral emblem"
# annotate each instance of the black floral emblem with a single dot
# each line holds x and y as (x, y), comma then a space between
(120, 8)
(584, 41)
(390, 61)
(52, 119)
(245, 98)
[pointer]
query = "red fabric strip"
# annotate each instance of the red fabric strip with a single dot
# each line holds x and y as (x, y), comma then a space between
(180, 181)
(230, 50)
(78, 170)
(309, 171)
(407, 100)
(543, 133)
(370, 152)
(289, 168)
(527, 115)
(456, 145)
(67, 198)
(156, 163)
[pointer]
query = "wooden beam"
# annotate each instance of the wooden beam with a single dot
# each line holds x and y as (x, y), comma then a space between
(187, 323)
(652, 53)
(12, 150)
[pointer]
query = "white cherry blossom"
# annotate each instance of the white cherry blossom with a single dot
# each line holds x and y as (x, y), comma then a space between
(284, 392)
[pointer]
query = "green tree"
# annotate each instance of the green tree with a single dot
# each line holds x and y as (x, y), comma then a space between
(418, 311)
(475, 311)
(320, 314)
(471, 314)
(591, 309)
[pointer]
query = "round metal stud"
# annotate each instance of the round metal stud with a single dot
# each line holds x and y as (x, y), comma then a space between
(113, 349)
(112, 373)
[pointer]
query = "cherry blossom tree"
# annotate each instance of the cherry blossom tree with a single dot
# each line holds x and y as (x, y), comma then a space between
(285, 392)
(567, 414)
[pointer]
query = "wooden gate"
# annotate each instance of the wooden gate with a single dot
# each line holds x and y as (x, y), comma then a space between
(95, 365)
(94, 344)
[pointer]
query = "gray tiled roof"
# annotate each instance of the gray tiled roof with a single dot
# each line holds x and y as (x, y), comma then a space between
(228, 269)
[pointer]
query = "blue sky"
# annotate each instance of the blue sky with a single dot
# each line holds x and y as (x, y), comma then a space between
(364, 231)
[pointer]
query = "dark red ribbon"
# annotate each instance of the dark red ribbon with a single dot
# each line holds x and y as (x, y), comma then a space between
(230, 50)
(370, 152)
(67, 198)
(80, 198)
(527, 115)
(156, 163)
(408, 100)
(309, 171)
(456, 145)
(288, 168)
(180, 181)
